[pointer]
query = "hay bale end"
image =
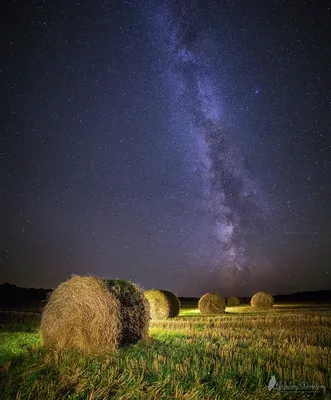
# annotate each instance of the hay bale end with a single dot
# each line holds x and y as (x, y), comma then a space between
(163, 304)
(262, 300)
(232, 302)
(211, 303)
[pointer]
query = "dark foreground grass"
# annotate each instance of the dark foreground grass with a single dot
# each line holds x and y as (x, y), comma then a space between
(231, 356)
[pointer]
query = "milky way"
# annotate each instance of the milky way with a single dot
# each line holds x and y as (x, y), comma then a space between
(183, 145)
(232, 198)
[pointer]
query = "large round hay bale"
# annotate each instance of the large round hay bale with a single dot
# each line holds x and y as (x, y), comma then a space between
(262, 300)
(94, 315)
(163, 304)
(232, 302)
(211, 303)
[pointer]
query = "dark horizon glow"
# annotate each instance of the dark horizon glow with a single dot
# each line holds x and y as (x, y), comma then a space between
(182, 145)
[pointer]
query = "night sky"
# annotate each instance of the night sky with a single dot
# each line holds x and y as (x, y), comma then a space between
(182, 145)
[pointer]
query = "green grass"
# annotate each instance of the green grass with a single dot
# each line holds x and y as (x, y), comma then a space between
(231, 356)
(13, 344)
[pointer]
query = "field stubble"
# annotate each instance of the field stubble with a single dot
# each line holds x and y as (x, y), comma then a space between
(230, 356)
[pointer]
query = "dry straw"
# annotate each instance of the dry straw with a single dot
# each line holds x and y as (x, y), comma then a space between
(163, 304)
(232, 302)
(94, 315)
(262, 300)
(211, 303)
(134, 310)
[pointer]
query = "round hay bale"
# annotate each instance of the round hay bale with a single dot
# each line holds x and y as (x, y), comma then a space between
(262, 300)
(94, 315)
(211, 303)
(232, 302)
(163, 304)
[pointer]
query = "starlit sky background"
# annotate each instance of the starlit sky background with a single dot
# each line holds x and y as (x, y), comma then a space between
(182, 145)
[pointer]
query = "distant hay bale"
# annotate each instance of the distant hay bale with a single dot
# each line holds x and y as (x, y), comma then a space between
(211, 303)
(262, 300)
(94, 315)
(232, 302)
(163, 304)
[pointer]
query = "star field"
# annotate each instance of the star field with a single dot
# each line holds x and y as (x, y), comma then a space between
(181, 145)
